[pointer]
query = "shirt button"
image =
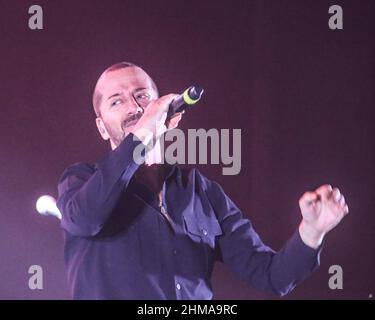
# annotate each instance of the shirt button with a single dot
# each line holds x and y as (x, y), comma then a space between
(178, 286)
(174, 251)
(204, 232)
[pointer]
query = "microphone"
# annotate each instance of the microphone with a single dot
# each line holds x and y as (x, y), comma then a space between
(46, 206)
(185, 100)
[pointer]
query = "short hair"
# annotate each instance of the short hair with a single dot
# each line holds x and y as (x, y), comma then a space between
(97, 96)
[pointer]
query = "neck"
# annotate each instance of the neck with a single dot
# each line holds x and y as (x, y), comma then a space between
(152, 172)
(152, 176)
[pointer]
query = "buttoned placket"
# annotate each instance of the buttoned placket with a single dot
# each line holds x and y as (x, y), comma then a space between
(163, 210)
(172, 226)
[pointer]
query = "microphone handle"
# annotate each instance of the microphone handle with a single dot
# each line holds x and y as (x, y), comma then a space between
(185, 100)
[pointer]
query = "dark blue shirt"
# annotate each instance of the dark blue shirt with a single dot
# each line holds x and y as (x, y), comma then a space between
(120, 244)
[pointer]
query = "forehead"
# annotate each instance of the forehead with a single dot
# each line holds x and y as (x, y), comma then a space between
(125, 79)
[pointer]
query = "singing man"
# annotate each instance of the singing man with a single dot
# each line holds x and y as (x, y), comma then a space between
(155, 230)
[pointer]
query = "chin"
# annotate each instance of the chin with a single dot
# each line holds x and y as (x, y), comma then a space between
(128, 130)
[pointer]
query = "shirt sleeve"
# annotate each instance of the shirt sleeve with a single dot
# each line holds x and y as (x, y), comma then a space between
(242, 250)
(87, 194)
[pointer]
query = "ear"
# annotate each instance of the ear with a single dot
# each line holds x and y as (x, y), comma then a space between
(101, 127)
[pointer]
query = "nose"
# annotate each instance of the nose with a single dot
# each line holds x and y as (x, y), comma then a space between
(139, 109)
(134, 106)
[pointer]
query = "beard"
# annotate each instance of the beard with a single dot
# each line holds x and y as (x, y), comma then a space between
(118, 135)
(115, 135)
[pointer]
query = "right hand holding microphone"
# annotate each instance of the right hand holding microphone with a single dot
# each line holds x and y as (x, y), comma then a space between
(153, 122)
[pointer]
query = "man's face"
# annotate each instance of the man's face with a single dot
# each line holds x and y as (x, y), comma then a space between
(125, 93)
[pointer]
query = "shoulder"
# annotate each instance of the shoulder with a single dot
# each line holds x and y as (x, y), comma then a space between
(79, 169)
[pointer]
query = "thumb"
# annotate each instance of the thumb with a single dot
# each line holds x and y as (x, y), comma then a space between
(166, 101)
(308, 199)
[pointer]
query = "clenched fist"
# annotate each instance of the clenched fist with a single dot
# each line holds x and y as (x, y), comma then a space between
(322, 210)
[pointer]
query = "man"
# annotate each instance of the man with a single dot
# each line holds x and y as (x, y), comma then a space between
(154, 231)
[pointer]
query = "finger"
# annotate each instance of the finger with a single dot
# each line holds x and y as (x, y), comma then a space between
(342, 201)
(170, 97)
(346, 210)
(309, 198)
(173, 122)
(166, 100)
(324, 191)
(175, 118)
(336, 195)
(177, 114)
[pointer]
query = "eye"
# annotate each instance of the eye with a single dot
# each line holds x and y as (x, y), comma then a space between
(143, 96)
(116, 102)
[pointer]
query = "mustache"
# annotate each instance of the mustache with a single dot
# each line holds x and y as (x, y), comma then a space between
(133, 117)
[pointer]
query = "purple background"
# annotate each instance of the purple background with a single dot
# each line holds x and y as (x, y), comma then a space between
(302, 94)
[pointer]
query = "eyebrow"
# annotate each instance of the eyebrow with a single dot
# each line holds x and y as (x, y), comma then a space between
(114, 95)
(119, 94)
